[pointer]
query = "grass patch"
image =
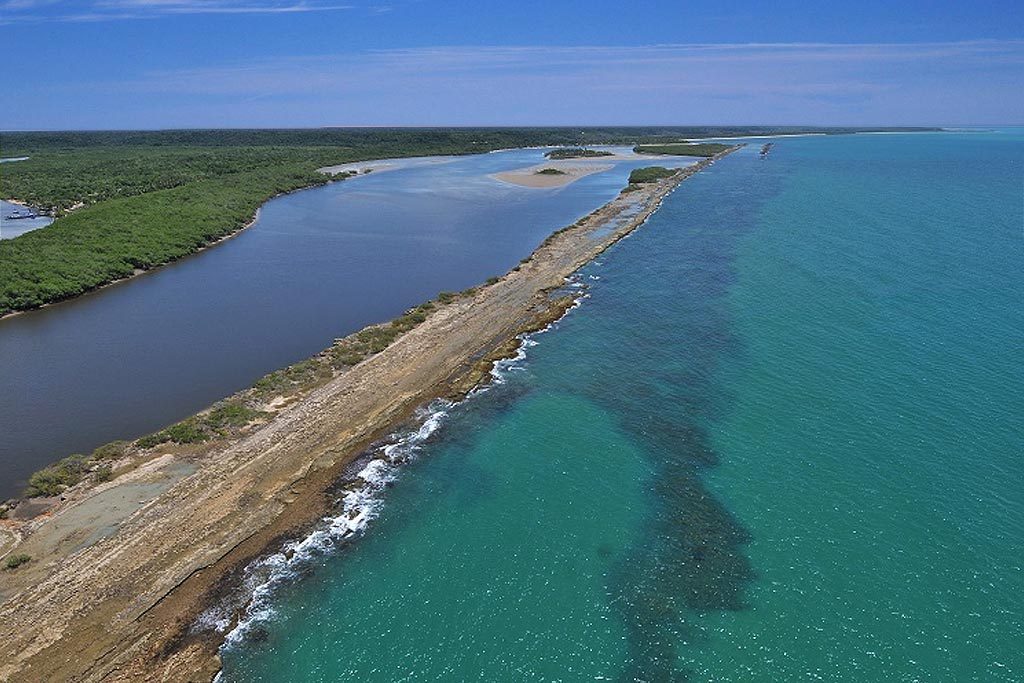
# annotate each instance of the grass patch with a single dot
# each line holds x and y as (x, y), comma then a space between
(549, 171)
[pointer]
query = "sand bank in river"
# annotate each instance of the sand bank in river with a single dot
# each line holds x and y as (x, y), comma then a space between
(115, 588)
(571, 170)
(381, 165)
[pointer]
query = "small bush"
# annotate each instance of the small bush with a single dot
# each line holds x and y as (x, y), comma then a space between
(151, 440)
(230, 414)
(110, 451)
(446, 297)
(492, 280)
(15, 561)
(345, 357)
(52, 480)
(187, 431)
(102, 473)
(409, 320)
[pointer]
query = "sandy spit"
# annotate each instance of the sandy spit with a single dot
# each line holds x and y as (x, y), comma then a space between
(120, 608)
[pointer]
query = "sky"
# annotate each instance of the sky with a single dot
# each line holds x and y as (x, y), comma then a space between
(144, 64)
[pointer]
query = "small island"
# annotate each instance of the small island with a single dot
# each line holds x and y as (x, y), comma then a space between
(577, 153)
(684, 149)
(650, 174)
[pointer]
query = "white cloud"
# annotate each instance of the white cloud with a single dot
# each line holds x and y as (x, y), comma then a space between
(112, 10)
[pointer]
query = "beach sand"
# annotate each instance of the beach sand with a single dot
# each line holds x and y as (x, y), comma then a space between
(529, 177)
(120, 573)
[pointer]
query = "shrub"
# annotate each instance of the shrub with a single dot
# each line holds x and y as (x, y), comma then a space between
(345, 357)
(102, 473)
(151, 440)
(52, 480)
(230, 414)
(446, 297)
(15, 561)
(110, 451)
(187, 431)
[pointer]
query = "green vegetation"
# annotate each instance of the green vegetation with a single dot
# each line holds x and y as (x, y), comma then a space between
(576, 153)
(686, 149)
(103, 473)
(15, 561)
(549, 171)
(224, 418)
(110, 451)
(53, 480)
(650, 174)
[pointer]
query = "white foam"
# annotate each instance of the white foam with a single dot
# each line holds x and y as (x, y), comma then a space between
(360, 504)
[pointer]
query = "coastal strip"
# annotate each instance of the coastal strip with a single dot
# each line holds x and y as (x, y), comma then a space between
(121, 606)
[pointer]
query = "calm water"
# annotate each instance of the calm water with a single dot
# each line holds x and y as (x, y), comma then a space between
(779, 441)
(318, 264)
(9, 229)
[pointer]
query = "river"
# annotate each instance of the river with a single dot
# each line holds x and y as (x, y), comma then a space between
(318, 264)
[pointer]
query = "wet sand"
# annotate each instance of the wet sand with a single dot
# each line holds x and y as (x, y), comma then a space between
(118, 581)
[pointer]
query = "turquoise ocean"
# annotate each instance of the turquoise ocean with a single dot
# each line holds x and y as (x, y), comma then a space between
(779, 439)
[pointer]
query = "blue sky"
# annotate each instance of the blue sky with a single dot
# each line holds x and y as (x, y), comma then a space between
(235, 63)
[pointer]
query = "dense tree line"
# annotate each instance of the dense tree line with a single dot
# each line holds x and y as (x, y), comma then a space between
(694, 149)
(20, 143)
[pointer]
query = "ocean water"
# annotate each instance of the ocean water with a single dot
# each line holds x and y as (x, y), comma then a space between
(778, 440)
(318, 264)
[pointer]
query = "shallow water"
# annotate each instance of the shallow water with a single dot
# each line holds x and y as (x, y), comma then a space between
(777, 442)
(318, 264)
(9, 229)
